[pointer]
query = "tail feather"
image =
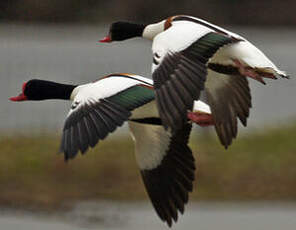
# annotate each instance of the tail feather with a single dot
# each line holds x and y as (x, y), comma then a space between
(249, 56)
(270, 72)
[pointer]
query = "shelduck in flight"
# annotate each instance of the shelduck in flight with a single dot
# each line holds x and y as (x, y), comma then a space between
(164, 158)
(191, 56)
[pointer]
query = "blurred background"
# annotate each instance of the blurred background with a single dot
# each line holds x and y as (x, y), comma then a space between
(250, 185)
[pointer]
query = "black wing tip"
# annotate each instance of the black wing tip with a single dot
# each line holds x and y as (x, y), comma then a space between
(244, 122)
(169, 220)
(66, 155)
(88, 125)
(69, 156)
(227, 141)
(164, 201)
(70, 151)
(168, 185)
(169, 223)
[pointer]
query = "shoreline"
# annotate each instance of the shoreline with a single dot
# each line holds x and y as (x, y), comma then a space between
(258, 166)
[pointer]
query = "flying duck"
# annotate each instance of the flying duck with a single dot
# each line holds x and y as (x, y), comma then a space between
(98, 108)
(193, 57)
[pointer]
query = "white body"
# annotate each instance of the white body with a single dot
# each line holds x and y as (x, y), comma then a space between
(151, 141)
(151, 144)
(183, 33)
(104, 88)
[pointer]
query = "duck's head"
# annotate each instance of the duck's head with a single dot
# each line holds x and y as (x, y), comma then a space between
(120, 31)
(35, 90)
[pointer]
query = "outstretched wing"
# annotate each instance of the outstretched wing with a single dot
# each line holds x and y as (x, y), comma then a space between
(179, 77)
(92, 117)
(229, 98)
(167, 166)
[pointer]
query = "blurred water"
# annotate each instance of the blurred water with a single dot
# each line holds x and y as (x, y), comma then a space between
(134, 216)
(70, 54)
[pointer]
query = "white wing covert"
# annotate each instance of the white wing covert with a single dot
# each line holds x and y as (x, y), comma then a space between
(179, 74)
(96, 112)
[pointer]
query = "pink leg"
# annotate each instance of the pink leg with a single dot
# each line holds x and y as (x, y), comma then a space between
(202, 119)
(252, 73)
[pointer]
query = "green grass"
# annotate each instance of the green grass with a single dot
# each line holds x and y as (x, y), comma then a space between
(257, 166)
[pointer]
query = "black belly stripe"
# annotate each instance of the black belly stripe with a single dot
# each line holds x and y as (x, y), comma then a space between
(224, 69)
(148, 120)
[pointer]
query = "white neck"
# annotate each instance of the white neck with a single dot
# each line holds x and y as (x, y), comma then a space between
(76, 91)
(152, 30)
